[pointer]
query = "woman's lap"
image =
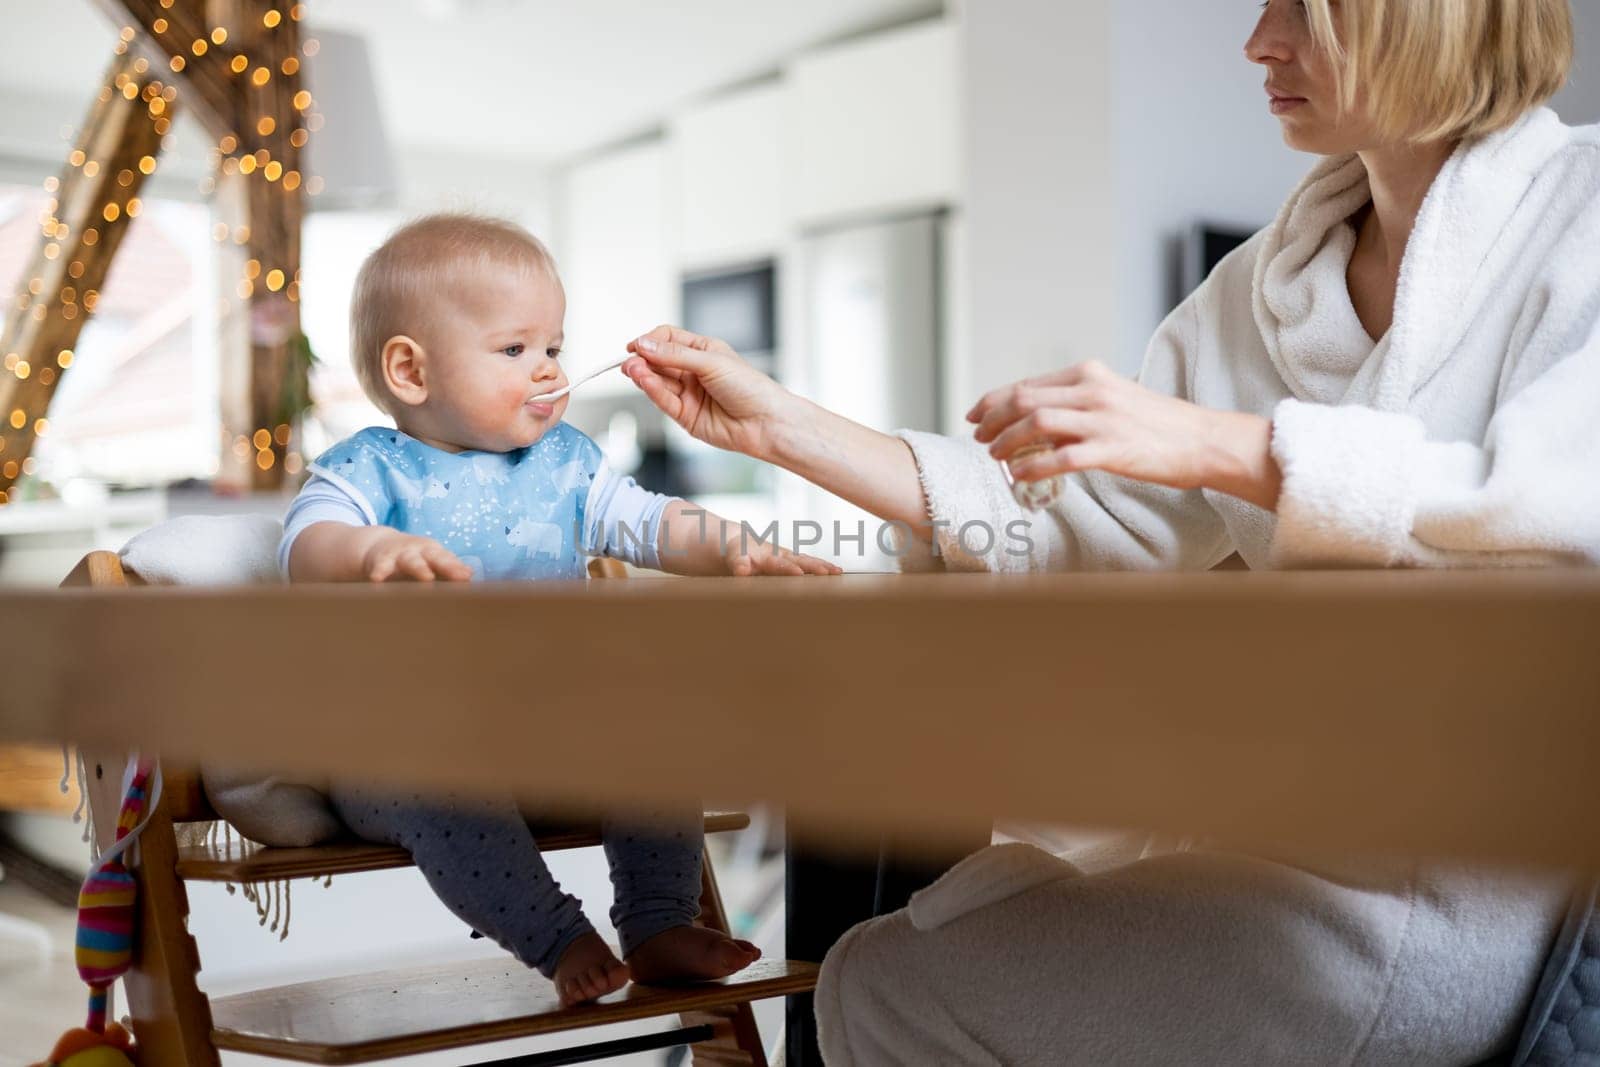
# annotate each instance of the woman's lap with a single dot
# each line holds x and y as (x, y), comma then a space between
(1199, 957)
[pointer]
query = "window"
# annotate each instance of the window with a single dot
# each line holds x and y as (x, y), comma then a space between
(139, 405)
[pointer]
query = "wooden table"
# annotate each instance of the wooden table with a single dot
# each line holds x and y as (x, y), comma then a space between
(1446, 712)
(30, 777)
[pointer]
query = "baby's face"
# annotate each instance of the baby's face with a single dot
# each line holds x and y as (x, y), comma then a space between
(495, 347)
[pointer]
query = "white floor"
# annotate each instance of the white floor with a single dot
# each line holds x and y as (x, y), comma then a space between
(40, 994)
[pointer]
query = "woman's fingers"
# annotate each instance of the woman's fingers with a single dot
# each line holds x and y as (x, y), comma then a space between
(640, 371)
(639, 365)
(687, 338)
(664, 393)
(1023, 401)
(1074, 375)
(674, 348)
(1052, 426)
(1065, 459)
(675, 355)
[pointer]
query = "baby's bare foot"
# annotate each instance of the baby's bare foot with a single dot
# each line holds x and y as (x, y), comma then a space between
(690, 954)
(588, 969)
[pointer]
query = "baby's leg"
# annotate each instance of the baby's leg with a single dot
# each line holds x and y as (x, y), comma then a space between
(655, 869)
(481, 859)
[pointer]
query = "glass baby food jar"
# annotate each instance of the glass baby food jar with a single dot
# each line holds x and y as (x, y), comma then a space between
(1035, 496)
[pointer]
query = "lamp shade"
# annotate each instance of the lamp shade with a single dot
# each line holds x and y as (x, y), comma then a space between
(351, 152)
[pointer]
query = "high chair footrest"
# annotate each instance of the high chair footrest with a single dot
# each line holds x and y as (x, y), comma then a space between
(362, 1018)
(246, 862)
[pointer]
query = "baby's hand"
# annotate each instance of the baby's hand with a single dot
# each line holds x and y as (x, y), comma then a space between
(748, 556)
(396, 556)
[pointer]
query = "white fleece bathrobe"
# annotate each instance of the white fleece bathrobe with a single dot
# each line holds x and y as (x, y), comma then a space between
(1468, 436)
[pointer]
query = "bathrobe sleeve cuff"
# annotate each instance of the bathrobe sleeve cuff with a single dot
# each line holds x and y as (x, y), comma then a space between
(1349, 494)
(962, 484)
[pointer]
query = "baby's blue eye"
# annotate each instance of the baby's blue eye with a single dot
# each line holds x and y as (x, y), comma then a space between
(513, 350)
(553, 353)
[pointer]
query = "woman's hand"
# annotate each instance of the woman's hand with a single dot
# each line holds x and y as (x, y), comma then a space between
(1090, 418)
(703, 386)
(719, 398)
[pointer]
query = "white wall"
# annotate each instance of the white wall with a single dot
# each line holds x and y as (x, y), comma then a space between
(1040, 213)
(856, 131)
(1579, 103)
(1194, 141)
(729, 191)
(873, 125)
(1098, 133)
(613, 248)
(507, 186)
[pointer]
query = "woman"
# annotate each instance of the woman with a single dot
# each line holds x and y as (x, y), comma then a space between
(1404, 369)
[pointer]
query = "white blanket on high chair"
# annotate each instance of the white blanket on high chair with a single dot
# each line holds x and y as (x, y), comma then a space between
(1467, 436)
(221, 550)
(207, 550)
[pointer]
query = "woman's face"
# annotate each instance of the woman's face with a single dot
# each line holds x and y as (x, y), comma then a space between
(1301, 88)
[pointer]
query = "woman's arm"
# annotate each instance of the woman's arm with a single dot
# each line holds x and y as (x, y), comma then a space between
(1089, 417)
(941, 486)
(1369, 488)
(872, 470)
(703, 386)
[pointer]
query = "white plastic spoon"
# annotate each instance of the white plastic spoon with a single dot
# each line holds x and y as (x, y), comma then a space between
(570, 386)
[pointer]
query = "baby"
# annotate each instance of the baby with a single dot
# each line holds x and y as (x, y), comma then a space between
(456, 331)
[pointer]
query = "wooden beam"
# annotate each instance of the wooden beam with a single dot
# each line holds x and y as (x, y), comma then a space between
(240, 61)
(92, 203)
(271, 132)
(176, 31)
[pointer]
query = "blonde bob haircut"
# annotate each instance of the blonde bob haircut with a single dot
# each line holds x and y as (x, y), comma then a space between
(1433, 70)
(403, 283)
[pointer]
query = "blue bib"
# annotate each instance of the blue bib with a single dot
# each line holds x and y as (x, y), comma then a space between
(507, 515)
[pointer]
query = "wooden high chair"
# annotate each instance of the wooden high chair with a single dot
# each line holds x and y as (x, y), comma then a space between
(364, 1018)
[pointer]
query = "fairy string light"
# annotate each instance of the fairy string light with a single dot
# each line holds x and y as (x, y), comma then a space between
(244, 78)
(86, 210)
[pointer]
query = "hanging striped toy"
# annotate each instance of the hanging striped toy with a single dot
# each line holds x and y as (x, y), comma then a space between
(106, 910)
(107, 907)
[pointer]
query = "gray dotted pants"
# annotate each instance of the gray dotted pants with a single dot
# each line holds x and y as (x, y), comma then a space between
(480, 858)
